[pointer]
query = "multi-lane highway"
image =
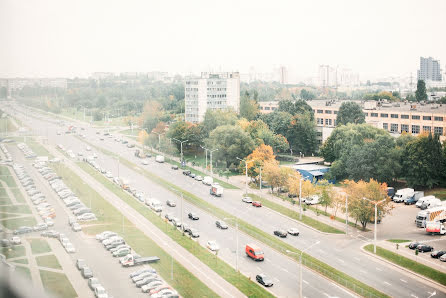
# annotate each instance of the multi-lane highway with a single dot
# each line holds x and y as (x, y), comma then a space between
(340, 251)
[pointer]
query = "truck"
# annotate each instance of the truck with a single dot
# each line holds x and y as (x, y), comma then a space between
(431, 204)
(413, 199)
(423, 199)
(430, 215)
(436, 227)
(402, 194)
(139, 153)
(216, 190)
(207, 180)
(159, 158)
(130, 260)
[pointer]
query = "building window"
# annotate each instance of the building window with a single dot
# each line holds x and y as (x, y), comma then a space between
(415, 117)
(320, 121)
(438, 130)
(404, 116)
(404, 127)
(320, 111)
(273, 108)
(427, 118)
(374, 114)
(267, 108)
(438, 118)
(384, 115)
(327, 112)
(427, 128)
(394, 127)
(395, 116)
(415, 129)
(327, 121)
(386, 126)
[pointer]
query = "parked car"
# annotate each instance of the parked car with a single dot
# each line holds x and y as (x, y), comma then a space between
(70, 248)
(99, 292)
(193, 216)
(212, 245)
(293, 231)
(424, 248)
(16, 240)
(40, 227)
(81, 263)
(264, 280)
(86, 272)
(192, 175)
(171, 203)
(199, 178)
(247, 200)
(280, 233)
(443, 258)
(186, 172)
(221, 224)
(22, 230)
(194, 233)
(76, 227)
(86, 217)
(93, 282)
(413, 245)
(438, 253)
(257, 204)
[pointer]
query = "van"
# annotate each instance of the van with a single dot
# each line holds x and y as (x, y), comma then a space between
(431, 204)
(159, 158)
(314, 199)
(207, 180)
(254, 252)
(423, 199)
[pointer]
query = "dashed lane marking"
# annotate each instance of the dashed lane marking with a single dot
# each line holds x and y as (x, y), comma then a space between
(386, 283)
(403, 280)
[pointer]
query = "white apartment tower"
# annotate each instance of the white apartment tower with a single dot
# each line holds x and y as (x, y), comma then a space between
(215, 91)
(429, 70)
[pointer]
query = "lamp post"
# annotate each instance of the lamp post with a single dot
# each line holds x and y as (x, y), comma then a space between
(236, 241)
(210, 153)
(206, 153)
(159, 139)
(300, 264)
(346, 215)
(300, 194)
(246, 172)
(260, 184)
(376, 203)
(181, 143)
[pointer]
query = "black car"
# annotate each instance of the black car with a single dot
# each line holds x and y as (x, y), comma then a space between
(424, 248)
(23, 230)
(264, 280)
(170, 203)
(438, 253)
(174, 167)
(220, 224)
(292, 195)
(186, 172)
(413, 245)
(193, 216)
(148, 155)
(280, 233)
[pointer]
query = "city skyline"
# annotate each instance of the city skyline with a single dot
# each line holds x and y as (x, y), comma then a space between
(373, 38)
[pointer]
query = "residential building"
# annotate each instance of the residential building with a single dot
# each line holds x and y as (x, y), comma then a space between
(430, 70)
(215, 91)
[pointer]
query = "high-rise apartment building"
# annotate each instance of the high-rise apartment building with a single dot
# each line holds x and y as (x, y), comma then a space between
(429, 70)
(214, 91)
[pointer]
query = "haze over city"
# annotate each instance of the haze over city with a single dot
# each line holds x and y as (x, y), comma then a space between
(75, 38)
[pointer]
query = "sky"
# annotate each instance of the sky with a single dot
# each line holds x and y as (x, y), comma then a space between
(378, 38)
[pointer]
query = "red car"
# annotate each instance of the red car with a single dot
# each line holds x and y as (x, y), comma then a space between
(257, 203)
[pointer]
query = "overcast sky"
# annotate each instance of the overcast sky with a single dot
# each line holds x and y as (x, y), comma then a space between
(48, 38)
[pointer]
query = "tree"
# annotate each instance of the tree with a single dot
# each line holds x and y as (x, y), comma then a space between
(350, 112)
(257, 159)
(423, 161)
(271, 174)
(421, 94)
(142, 136)
(362, 210)
(296, 107)
(261, 134)
(278, 122)
(151, 115)
(231, 141)
(294, 183)
(97, 116)
(249, 108)
(302, 134)
(306, 95)
(326, 193)
(214, 119)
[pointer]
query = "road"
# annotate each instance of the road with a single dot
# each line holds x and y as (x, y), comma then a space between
(339, 251)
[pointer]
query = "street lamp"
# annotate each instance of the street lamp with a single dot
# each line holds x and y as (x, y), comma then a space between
(206, 153)
(376, 203)
(300, 264)
(246, 172)
(210, 153)
(181, 143)
(300, 194)
(159, 139)
(236, 236)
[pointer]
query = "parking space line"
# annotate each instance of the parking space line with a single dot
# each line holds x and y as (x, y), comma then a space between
(403, 280)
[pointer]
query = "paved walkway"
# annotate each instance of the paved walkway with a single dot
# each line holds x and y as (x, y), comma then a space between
(180, 254)
(32, 265)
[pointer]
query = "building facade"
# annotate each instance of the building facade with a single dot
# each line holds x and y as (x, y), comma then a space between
(214, 91)
(430, 70)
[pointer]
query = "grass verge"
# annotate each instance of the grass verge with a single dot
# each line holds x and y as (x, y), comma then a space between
(10, 181)
(419, 268)
(21, 261)
(22, 209)
(309, 261)
(15, 223)
(13, 251)
(240, 281)
(398, 240)
(57, 284)
(437, 192)
(39, 246)
(49, 261)
(23, 271)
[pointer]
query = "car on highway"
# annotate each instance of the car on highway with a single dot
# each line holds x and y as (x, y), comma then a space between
(174, 167)
(247, 200)
(80, 263)
(93, 282)
(186, 172)
(170, 203)
(424, 248)
(192, 175)
(280, 233)
(86, 272)
(15, 240)
(145, 162)
(193, 216)
(293, 231)
(264, 280)
(221, 224)
(438, 253)
(212, 245)
(413, 245)
(257, 203)
(199, 178)
(22, 230)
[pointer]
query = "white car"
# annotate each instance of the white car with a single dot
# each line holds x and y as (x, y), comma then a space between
(145, 162)
(76, 227)
(16, 240)
(86, 217)
(70, 248)
(108, 174)
(212, 245)
(88, 148)
(49, 222)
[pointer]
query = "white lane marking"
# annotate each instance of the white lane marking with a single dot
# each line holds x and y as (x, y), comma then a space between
(258, 268)
(412, 295)
(403, 280)
(285, 270)
(340, 260)
(326, 294)
(378, 269)
(321, 251)
(268, 260)
(387, 283)
(305, 282)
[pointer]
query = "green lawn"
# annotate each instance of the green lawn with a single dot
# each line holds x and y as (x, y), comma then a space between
(23, 271)
(49, 261)
(21, 261)
(398, 240)
(37, 148)
(15, 223)
(10, 181)
(259, 234)
(57, 284)
(24, 209)
(39, 246)
(437, 192)
(13, 251)
(129, 132)
(409, 264)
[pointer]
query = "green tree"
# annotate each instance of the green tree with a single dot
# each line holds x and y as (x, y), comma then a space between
(297, 107)
(350, 112)
(232, 142)
(3, 92)
(421, 94)
(278, 122)
(214, 119)
(302, 134)
(423, 161)
(249, 108)
(306, 95)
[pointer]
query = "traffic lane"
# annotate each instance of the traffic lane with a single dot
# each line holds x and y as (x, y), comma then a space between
(86, 247)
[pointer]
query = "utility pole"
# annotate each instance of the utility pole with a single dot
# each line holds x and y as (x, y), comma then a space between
(181, 144)
(211, 159)
(246, 172)
(376, 203)
(206, 153)
(260, 184)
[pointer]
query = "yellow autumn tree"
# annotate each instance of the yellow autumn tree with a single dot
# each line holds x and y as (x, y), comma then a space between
(142, 136)
(293, 183)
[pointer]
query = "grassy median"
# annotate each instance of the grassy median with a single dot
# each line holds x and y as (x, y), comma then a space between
(57, 284)
(311, 262)
(49, 261)
(407, 263)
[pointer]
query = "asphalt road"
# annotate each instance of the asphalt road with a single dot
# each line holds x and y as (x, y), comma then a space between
(339, 251)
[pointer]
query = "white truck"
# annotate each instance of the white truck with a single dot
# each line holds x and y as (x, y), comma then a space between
(402, 194)
(436, 227)
(207, 180)
(430, 215)
(216, 190)
(159, 158)
(423, 199)
(431, 204)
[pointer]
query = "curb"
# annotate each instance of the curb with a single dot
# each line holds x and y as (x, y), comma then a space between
(406, 271)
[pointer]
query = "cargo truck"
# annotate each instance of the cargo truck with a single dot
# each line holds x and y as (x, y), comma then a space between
(436, 227)
(402, 194)
(130, 260)
(216, 190)
(430, 215)
(124, 183)
(423, 199)
(413, 199)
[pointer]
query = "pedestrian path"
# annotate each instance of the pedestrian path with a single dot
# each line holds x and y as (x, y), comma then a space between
(33, 268)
